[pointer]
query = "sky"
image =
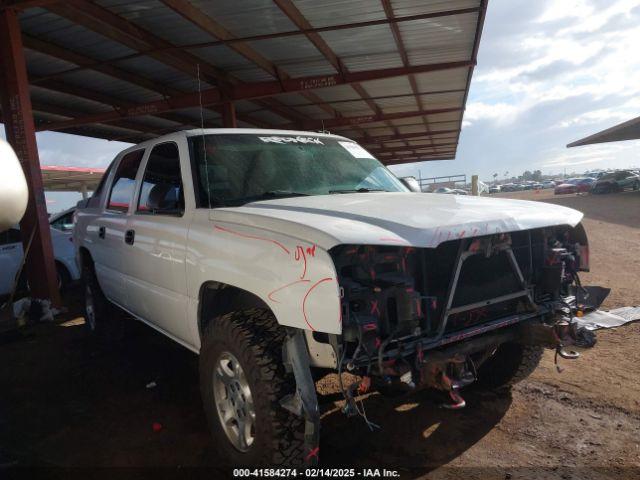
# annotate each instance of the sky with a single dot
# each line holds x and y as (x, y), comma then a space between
(549, 72)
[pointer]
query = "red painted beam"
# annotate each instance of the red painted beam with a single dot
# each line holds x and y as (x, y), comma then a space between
(20, 131)
(25, 4)
(229, 115)
(250, 91)
(401, 136)
(410, 148)
(381, 117)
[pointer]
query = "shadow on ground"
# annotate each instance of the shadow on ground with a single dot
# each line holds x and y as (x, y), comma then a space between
(69, 402)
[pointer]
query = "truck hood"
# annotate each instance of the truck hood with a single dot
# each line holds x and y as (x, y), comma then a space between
(412, 219)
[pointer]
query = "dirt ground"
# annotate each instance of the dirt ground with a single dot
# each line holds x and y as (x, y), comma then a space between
(65, 403)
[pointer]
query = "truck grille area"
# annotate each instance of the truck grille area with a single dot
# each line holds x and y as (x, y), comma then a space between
(391, 292)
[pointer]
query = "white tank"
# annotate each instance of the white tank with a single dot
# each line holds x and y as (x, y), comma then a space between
(13, 188)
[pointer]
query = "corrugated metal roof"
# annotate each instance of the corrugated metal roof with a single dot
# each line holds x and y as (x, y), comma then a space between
(351, 61)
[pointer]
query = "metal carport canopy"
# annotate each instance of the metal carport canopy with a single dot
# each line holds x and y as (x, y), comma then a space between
(629, 130)
(387, 73)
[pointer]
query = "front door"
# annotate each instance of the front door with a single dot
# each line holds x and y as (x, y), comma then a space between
(108, 230)
(156, 250)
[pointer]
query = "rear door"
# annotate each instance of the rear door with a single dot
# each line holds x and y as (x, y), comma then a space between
(109, 229)
(155, 251)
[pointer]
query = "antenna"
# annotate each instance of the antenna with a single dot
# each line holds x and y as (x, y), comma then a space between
(204, 150)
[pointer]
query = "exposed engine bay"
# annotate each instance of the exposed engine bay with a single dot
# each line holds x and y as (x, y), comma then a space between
(420, 317)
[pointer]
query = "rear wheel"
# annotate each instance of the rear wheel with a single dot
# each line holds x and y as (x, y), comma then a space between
(511, 363)
(242, 380)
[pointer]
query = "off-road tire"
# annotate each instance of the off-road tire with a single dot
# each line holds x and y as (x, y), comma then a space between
(254, 337)
(106, 325)
(511, 363)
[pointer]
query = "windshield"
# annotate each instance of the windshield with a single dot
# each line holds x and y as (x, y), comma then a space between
(240, 168)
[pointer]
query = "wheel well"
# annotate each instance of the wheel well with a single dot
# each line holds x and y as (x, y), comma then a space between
(62, 268)
(217, 298)
(85, 258)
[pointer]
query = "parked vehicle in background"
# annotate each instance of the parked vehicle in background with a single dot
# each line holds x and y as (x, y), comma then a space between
(494, 189)
(574, 185)
(443, 190)
(459, 191)
(64, 253)
(537, 186)
(617, 181)
(548, 184)
(63, 221)
(13, 188)
(277, 255)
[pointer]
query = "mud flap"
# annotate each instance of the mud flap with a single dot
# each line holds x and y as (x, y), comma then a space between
(305, 401)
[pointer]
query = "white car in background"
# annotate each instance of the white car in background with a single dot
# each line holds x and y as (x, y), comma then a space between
(63, 250)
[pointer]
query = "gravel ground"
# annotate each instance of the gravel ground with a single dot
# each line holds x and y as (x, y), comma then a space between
(65, 402)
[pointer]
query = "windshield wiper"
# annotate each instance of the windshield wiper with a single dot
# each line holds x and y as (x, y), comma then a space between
(266, 196)
(358, 190)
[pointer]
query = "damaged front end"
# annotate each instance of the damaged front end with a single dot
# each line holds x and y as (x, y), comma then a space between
(431, 317)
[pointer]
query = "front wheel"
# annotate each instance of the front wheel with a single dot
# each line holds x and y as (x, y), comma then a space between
(242, 380)
(510, 363)
(98, 312)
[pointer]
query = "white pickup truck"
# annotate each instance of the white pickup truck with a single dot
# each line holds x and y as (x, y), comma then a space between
(277, 255)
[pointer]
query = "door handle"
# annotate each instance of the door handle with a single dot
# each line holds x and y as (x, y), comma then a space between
(129, 237)
(102, 232)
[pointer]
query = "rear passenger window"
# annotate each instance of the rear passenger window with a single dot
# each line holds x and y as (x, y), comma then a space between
(124, 181)
(161, 190)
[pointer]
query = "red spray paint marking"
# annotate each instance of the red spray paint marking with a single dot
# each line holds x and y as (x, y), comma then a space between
(374, 307)
(304, 300)
(300, 255)
(283, 287)
(313, 453)
(311, 251)
(369, 327)
(462, 233)
(244, 235)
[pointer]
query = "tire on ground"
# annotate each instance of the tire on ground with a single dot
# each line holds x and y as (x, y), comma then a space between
(254, 337)
(102, 322)
(511, 363)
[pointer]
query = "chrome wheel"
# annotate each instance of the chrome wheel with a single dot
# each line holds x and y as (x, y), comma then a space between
(89, 308)
(234, 403)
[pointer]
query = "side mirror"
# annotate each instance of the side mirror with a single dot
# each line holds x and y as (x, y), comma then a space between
(411, 183)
